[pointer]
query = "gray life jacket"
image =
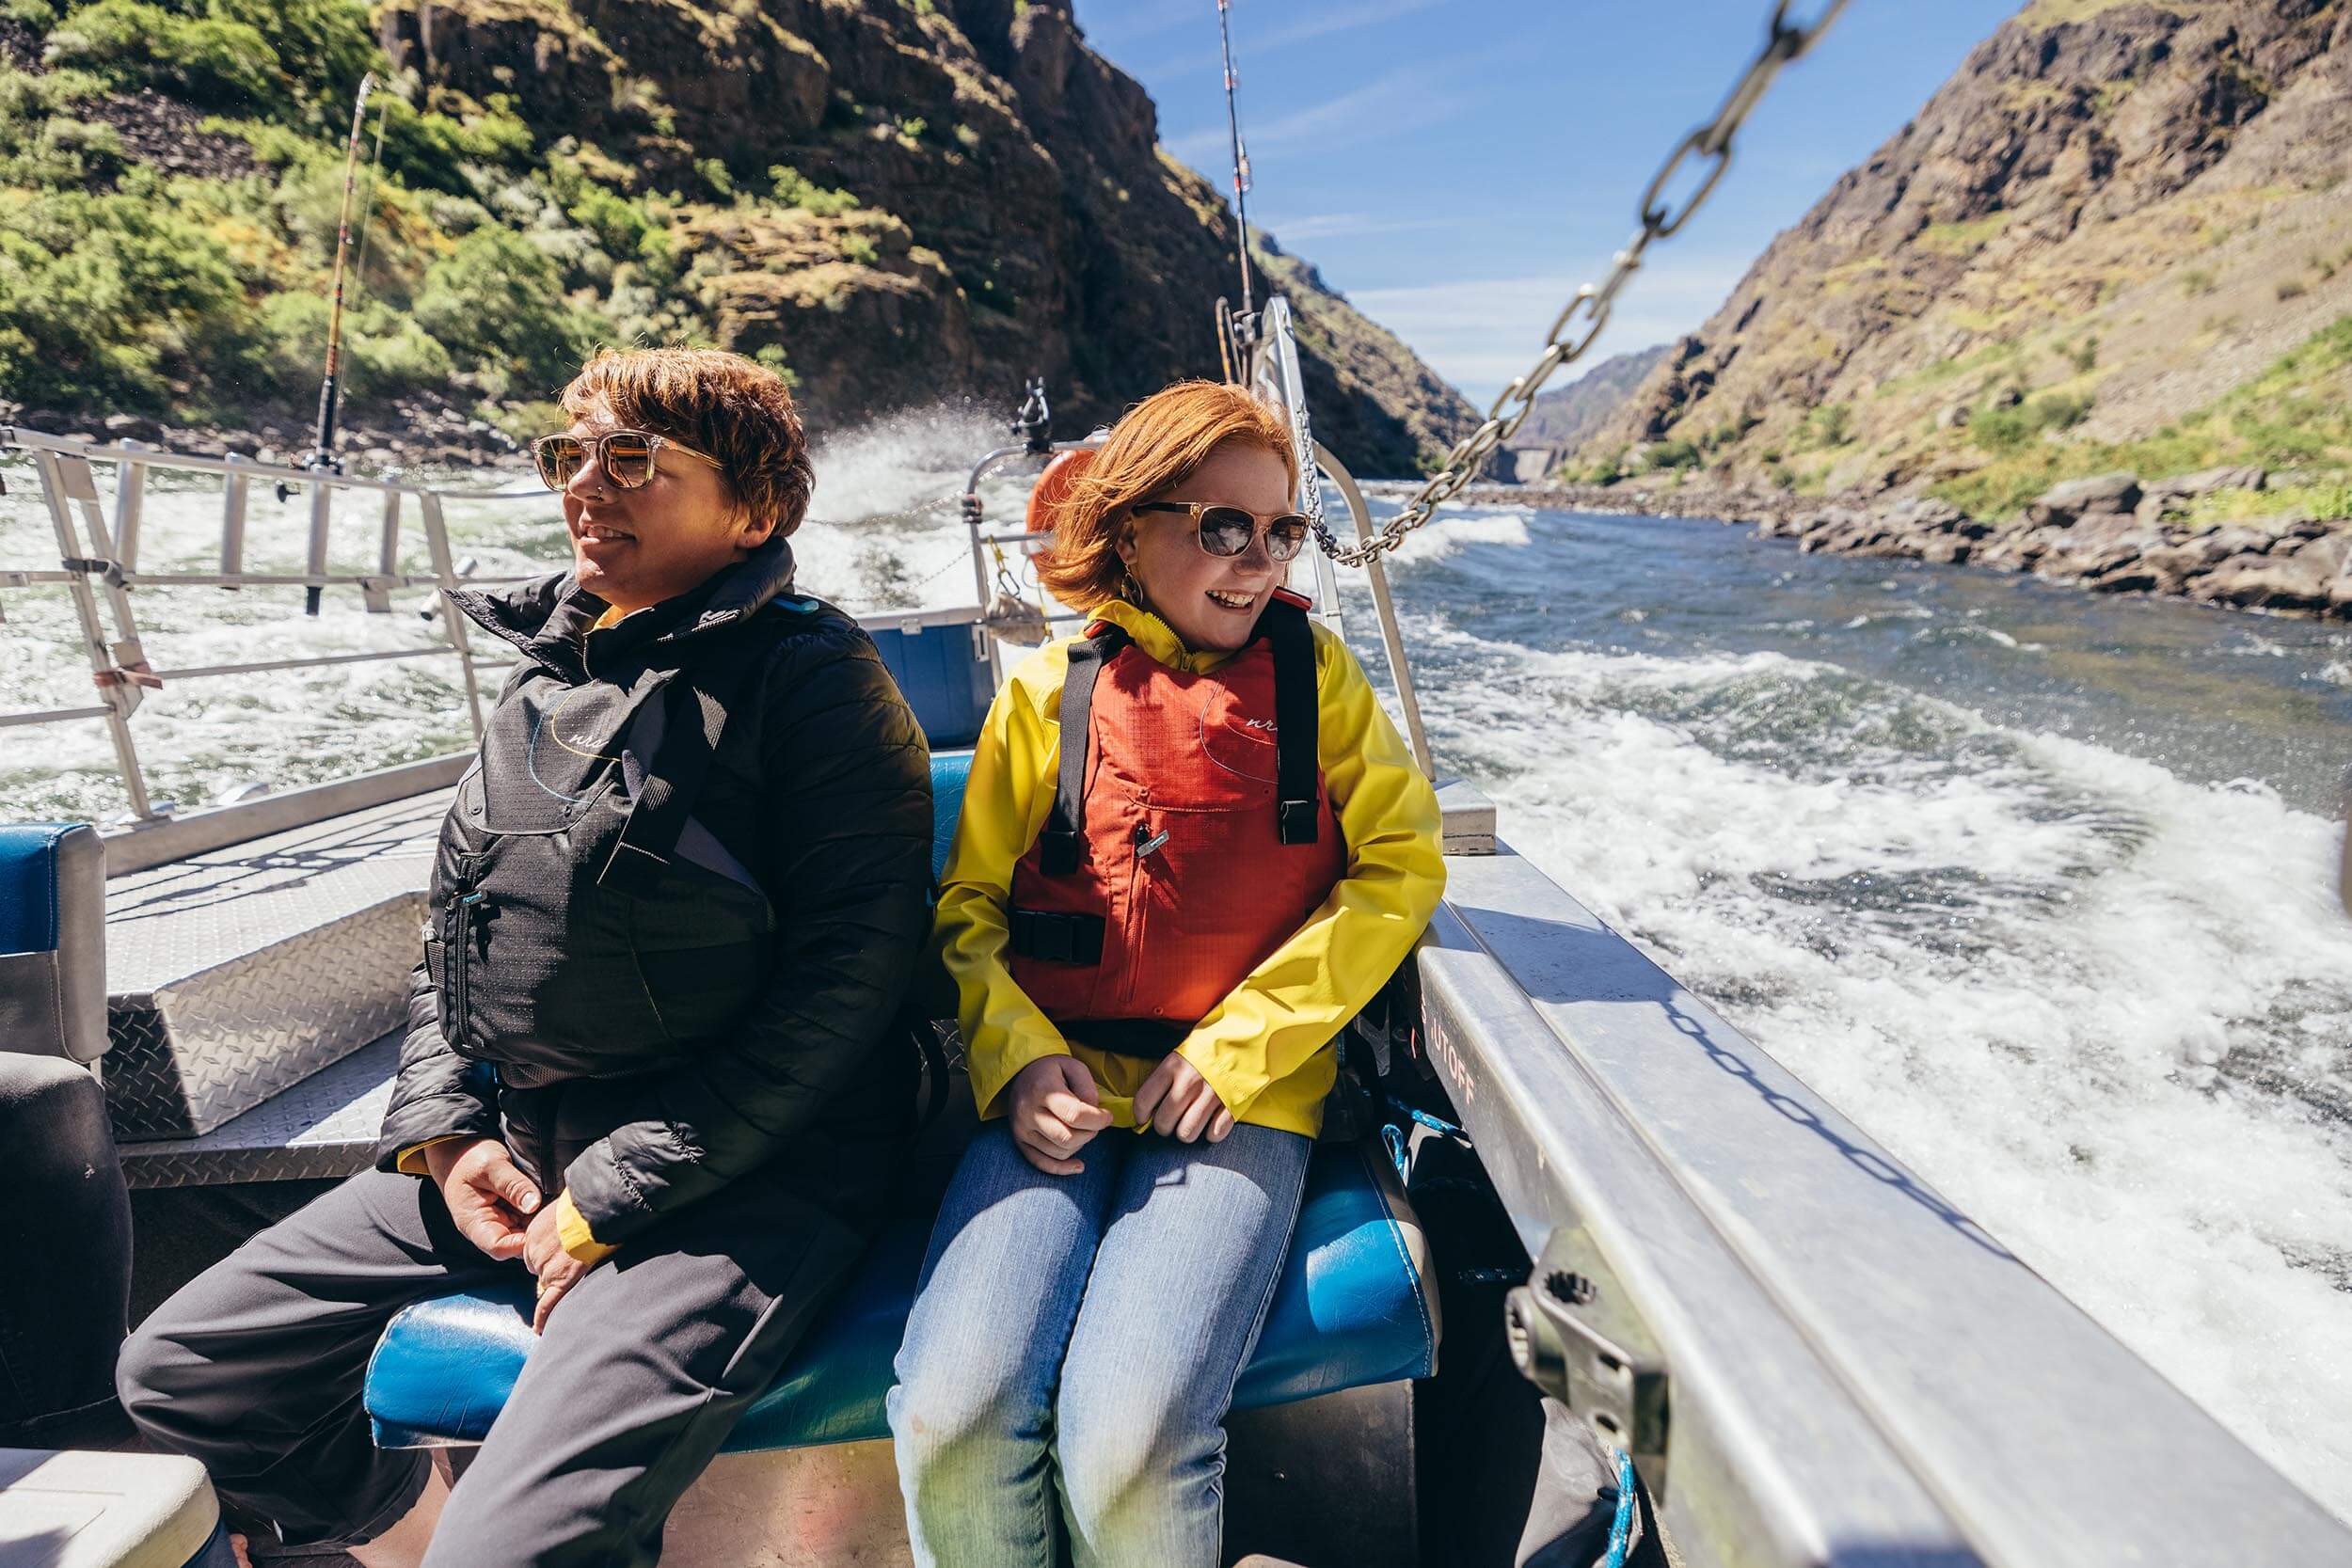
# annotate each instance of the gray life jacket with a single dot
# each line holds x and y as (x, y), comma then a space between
(581, 924)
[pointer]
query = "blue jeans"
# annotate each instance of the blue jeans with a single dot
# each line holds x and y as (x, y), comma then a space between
(1088, 1328)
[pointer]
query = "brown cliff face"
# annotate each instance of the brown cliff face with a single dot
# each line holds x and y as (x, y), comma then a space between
(1015, 216)
(2113, 216)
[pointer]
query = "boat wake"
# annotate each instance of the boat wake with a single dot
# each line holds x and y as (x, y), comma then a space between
(2104, 1009)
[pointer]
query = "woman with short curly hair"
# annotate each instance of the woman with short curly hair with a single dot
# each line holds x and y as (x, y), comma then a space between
(648, 1084)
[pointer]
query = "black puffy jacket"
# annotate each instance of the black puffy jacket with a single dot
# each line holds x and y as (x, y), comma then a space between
(645, 1047)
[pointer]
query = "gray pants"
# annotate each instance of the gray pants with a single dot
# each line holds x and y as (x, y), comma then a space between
(256, 1368)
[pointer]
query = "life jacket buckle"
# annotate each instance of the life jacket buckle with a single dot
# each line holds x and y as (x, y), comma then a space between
(1296, 821)
(1053, 937)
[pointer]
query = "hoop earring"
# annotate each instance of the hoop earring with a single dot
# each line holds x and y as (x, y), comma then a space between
(1129, 589)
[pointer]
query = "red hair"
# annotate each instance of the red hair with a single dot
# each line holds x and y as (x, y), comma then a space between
(1156, 446)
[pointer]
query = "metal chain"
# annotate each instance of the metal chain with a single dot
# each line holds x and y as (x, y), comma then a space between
(1587, 313)
(959, 558)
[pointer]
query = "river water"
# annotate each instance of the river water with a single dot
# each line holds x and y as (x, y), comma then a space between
(2037, 887)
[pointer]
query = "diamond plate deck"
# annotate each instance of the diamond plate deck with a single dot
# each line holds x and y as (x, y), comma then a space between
(324, 1126)
(239, 973)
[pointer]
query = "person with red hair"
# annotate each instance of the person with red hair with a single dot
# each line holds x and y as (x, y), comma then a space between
(1191, 847)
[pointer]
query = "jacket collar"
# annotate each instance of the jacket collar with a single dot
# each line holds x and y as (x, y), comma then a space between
(1157, 638)
(551, 618)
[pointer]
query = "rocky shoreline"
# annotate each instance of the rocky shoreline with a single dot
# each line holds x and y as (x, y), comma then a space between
(2112, 534)
(421, 434)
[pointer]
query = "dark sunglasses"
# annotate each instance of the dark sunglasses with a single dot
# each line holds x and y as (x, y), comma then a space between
(1227, 529)
(626, 455)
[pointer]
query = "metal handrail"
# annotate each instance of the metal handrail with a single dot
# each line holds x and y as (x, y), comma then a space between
(1814, 1356)
(98, 561)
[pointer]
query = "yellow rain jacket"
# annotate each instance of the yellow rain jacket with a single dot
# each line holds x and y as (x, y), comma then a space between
(1266, 1047)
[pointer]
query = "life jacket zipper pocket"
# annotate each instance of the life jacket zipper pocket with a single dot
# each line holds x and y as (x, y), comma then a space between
(457, 954)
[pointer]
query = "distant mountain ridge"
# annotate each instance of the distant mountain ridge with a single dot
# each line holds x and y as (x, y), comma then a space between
(1567, 417)
(2119, 238)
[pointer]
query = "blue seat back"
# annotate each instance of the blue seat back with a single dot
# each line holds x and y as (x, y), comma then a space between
(949, 771)
(53, 940)
(29, 895)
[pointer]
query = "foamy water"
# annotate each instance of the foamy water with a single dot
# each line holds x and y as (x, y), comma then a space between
(2037, 888)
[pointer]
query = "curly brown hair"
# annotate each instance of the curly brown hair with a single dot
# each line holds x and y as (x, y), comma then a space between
(1156, 446)
(740, 412)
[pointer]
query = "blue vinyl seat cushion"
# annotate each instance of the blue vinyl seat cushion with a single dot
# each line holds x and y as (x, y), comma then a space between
(53, 940)
(1352, 1309)
(29, 895)
(951, 770)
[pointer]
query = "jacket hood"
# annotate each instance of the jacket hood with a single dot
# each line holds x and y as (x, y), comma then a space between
(548, 616)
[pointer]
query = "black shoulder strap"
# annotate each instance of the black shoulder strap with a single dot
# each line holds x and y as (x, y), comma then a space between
(1062, 841)
(1295, 720)
(700, 697)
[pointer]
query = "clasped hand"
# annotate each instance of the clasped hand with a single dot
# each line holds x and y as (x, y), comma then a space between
(497, 1207)
(1054, 1109)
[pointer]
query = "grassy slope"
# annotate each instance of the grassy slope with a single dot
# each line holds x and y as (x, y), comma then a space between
(492, 262)
(2202, 327)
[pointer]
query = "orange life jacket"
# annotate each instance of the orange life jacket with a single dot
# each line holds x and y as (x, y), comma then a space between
(1190, 834)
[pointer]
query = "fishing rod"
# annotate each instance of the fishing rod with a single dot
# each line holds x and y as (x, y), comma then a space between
(367, 208)
(321, 456)
(1241, 157)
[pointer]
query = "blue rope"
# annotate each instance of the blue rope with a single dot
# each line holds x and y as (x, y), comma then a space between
(1621, 1530)
(1435, 1124)
(1396, 1140)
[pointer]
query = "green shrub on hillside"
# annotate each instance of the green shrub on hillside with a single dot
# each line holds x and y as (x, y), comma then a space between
(42, 142)
(59, 153)
(496, 302)
(2296, 414)
(267, 58)
(207, 59)
(113, 296)
(386, 353)
(428, 148)
(1829, 425)
(324, 45)
(2329, 499)
(1998, 429)
(795, 189)
(619, 224)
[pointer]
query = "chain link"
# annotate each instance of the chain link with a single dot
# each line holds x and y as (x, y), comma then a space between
(1587, 315)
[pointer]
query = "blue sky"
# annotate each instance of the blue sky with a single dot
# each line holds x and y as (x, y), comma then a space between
(1457, 167)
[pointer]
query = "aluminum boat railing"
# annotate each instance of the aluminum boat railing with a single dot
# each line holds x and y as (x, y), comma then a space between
(98, 562)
